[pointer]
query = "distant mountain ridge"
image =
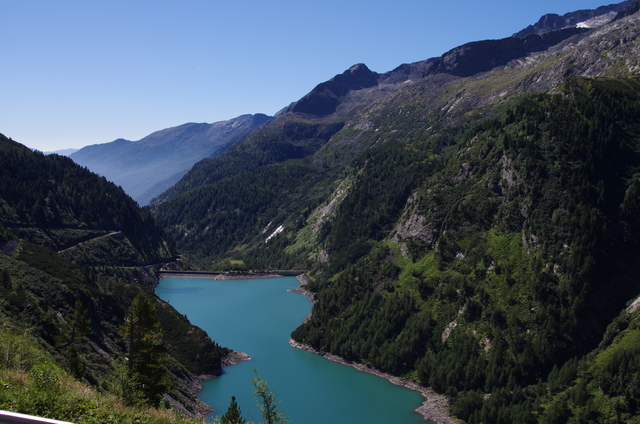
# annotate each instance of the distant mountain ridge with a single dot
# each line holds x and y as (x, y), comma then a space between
(147, 167)
(333, 103)
(63, 152)
(582, 18)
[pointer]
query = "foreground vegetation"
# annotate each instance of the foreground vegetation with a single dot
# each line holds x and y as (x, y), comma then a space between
(32, 383)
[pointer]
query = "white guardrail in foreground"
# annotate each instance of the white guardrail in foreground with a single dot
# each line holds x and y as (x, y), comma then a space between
(7, 417)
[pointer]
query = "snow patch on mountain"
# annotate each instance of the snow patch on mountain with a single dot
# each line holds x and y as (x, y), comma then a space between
(597, 21)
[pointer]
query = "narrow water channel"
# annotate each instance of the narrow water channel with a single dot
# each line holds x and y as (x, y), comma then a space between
(257, 317)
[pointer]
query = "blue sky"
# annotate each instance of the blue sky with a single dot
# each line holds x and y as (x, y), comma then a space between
(83, 72)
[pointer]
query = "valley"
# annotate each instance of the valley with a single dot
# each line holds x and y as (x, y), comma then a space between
(258, 316)
(468, 223)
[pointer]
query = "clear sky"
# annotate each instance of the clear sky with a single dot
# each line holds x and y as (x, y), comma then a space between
(80, 72)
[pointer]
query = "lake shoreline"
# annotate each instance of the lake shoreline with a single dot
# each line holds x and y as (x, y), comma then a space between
(194, 385)
(214, 275)
(435, 407)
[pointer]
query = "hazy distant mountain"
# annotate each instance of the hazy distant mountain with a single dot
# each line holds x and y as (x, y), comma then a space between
(147, 167)
(63, 152)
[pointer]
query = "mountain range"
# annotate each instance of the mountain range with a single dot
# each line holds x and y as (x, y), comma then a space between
(147, 167)
(468, 222)
(307, 123)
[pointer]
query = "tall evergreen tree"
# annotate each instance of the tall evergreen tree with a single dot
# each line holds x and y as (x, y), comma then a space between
(147, 355)
(77, 326)
(72, 338)
(6, 279)
(233, 415)
(267, 402)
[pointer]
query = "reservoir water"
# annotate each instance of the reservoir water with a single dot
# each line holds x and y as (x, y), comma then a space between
(257, 317)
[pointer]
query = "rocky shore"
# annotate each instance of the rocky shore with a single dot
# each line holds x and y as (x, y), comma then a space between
(189, 403)
(302, 279)
(194, 386)
(228, 275)
(233, 358)
(434, 408)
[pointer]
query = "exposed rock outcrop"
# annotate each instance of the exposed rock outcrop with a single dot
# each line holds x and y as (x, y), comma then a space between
(325, 98)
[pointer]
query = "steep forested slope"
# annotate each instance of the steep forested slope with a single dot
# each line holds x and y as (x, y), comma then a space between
(59, 205)
(283, 140)
(509, 261)
(213, 217)
(71, 246)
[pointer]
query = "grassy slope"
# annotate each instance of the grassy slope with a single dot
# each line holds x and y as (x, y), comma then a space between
(32, 383)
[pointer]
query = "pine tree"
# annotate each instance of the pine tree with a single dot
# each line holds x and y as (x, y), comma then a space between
(6, 279)
(146, 353)
(72, 339)
(77, 326)
(268, 404)
(233, 415)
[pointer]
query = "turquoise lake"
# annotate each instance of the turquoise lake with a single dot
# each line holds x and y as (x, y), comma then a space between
(257, 317)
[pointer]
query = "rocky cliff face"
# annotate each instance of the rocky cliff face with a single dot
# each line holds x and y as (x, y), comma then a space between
(482, 56)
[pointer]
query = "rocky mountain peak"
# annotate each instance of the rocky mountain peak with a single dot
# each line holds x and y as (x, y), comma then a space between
(581, 18)
(630, 10)
(325, 97)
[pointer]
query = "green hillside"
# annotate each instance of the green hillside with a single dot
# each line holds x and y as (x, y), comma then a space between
(526, 253)
(73, 249)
